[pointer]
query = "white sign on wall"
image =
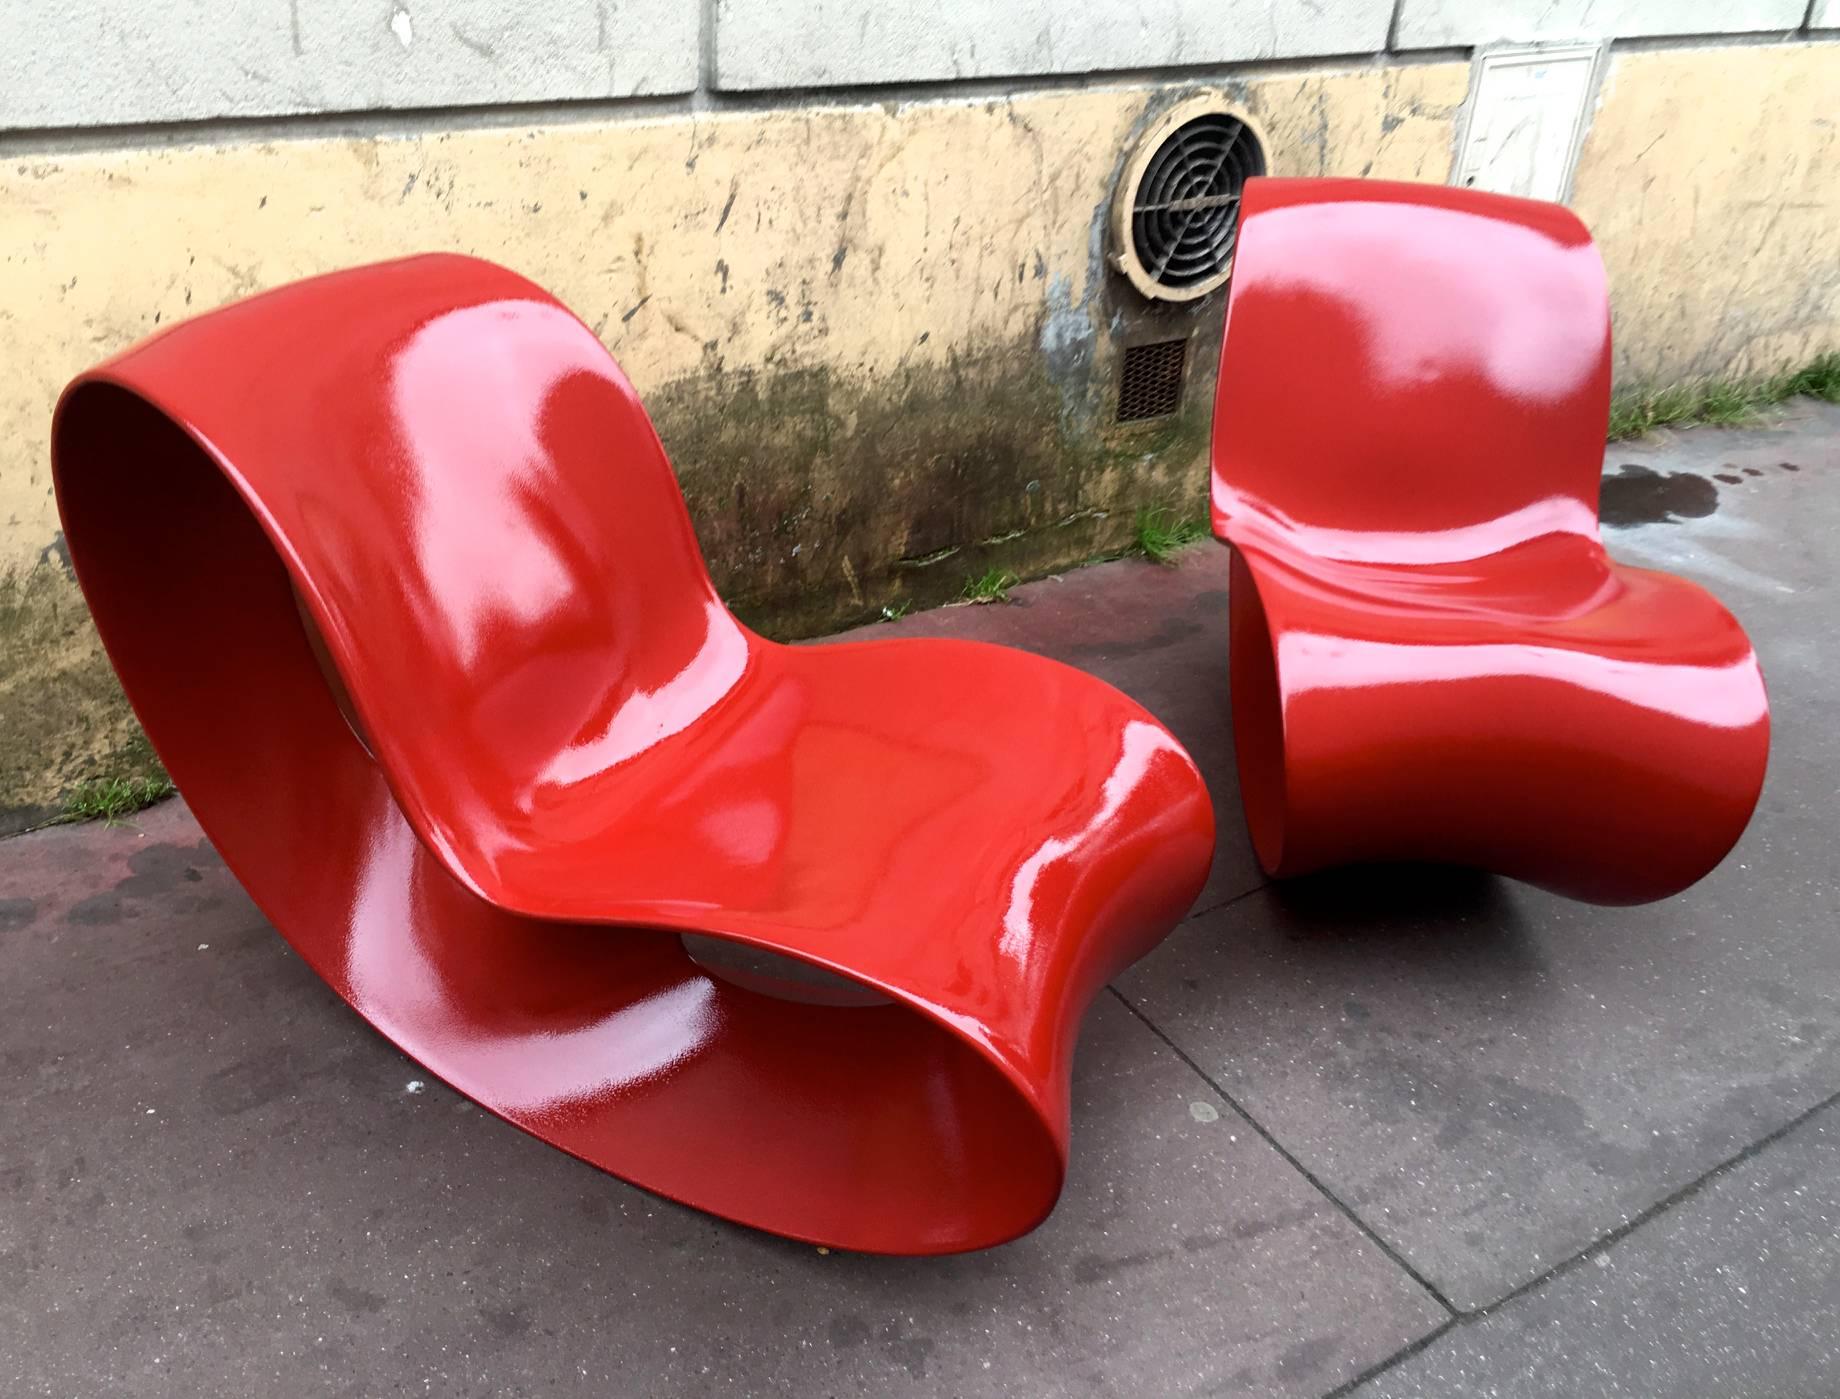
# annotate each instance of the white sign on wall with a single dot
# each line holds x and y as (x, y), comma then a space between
(1527, 116)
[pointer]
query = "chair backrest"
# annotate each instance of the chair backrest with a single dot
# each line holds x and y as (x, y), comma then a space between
(1410, 373)
(475, 509)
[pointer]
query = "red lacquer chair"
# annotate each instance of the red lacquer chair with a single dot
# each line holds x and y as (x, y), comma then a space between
(400, 582)
(1433, 658)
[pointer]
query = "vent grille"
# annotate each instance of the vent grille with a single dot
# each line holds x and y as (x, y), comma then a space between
(1178, 214)
(1150, 380)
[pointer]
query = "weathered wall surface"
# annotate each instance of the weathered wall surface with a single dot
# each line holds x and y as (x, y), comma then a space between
(124, 62)
(119, 62)
(852, 253)
(812, 43)
(1437, 23)
(1711, 178)
(832, 311)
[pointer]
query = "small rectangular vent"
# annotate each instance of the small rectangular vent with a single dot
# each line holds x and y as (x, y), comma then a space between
(1150, 380)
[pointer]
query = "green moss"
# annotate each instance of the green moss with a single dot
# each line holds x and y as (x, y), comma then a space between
(63, 718)
(822, 499)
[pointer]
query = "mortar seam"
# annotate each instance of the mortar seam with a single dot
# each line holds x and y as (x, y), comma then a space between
(1602, 1243)
(414, 122)
(706, 50)
(1347, 1211)
(1228, 902)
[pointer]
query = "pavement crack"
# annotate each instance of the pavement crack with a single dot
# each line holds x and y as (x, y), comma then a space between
(1601, 1244)
(1204, 910)
(1404, 1353)
(1346, 1210)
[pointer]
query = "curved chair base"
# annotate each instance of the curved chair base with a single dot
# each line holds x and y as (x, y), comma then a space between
(886, 1121)
(1511, 713)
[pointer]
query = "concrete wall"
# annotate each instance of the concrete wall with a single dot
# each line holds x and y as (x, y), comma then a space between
(812, 43)
(124, 62)
(127, 62)
(1432, 23)
(851, 251)
(1711, 179)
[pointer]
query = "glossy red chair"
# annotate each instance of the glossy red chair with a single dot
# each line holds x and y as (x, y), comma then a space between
(400, 583)
(1433, 658)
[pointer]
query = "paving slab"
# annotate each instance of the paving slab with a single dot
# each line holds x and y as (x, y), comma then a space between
(1734, 1292)
(1493, 1077)
(216, 1180)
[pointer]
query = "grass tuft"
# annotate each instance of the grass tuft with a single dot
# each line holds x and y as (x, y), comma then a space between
(1723, 402)
(1162, 533)
(1819, 378)
(110, 799)
(993, 586)
(895, 611)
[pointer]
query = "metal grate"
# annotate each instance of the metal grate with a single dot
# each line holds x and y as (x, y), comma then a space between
(1186, 210)
(1150, 380)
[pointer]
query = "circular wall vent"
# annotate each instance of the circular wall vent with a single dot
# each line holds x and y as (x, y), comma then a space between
(1177, 207)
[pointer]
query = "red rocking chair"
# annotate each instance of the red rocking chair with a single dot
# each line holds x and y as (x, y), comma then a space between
(397, 576)
(1433, 658)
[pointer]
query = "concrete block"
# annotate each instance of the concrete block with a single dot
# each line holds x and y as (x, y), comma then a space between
(1824, 15)
(1734, 1291)
(117, 62)
(256, 1152)
(1431, 24)
(820, 43)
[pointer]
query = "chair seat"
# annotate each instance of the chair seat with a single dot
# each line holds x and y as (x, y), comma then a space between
(1558, 592)
(1543, 712)
(818, 803)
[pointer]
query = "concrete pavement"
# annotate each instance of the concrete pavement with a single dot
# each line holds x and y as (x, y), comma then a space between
(1393, 1133)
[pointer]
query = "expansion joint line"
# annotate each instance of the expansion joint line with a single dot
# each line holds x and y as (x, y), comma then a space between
(1289, 1156)
(1457, 1316)
(1599, 1245)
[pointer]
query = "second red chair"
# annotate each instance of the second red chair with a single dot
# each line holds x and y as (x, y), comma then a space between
(1433, 657)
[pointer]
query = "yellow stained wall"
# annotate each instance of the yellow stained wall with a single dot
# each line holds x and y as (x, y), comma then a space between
(874, 336)
(1711, 179)
(837, 238)
(862, 239)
